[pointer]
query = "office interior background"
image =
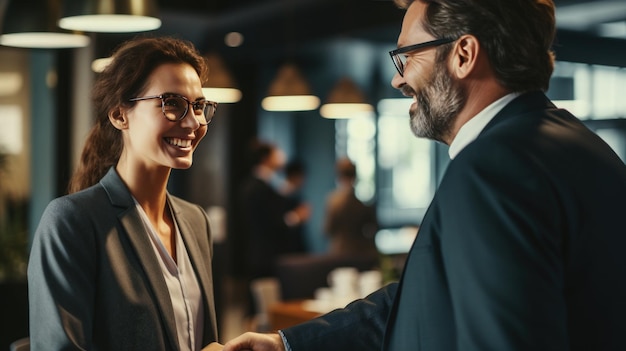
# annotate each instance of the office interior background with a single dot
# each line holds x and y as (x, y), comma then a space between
(45, 109)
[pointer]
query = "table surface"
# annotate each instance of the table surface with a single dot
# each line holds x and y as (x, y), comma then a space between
(289, 313)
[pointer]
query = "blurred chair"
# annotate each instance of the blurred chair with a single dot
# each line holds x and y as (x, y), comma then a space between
(265, 292)
(22, 344)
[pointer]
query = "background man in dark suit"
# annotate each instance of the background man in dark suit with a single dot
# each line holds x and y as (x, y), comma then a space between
(267, 218)
(522, 245)
(267, 215)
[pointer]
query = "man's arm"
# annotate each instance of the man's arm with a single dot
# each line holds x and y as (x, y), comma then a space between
(358, 326)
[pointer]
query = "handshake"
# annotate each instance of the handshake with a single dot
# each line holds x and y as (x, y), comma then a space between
(249, 342)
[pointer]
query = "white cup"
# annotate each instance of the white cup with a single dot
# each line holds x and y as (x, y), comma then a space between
(343, 276)
(324, 294)
(343, 283)
(370, 281)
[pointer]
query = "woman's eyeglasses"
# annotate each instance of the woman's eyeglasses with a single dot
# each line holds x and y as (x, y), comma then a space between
(175, 107)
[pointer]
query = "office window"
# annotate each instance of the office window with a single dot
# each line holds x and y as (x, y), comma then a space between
(616, 138)
(594, 94)
(355, 139)
(589, 91)
(394, 168)
(406, 167)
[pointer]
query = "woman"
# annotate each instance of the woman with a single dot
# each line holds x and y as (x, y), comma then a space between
(120, 264)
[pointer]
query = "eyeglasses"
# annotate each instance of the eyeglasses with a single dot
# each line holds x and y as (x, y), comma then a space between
(175, 107)
(399, 60)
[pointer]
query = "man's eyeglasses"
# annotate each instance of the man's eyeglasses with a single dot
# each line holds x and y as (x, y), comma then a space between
(399, 60)
(175, 107)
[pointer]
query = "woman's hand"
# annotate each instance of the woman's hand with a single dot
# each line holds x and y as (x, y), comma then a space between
(214, 346)
(255, 342)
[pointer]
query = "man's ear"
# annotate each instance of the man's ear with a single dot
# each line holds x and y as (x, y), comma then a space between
(465, 56)
(118, 118)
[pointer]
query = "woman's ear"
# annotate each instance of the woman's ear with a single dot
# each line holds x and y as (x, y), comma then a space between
(118, 118)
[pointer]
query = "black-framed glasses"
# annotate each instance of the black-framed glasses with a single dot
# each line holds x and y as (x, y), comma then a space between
(399, 60)
(175, 107)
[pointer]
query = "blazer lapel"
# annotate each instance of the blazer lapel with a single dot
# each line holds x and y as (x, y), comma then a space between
(198, 261)
(136, 232)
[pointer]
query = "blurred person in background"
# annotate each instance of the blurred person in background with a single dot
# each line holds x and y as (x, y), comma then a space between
(265, 212)
(119, 263)
(265, 218)
(349, 223)
(291, 189)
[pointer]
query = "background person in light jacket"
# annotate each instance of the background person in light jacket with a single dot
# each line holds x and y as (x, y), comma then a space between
(349, 223)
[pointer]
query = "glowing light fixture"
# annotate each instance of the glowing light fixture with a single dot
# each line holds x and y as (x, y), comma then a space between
(346, 101)
(233, 39)
(10, 83)
(32, 24)
(221, 86)
(289, 91)
(110, 16)
(98, 65)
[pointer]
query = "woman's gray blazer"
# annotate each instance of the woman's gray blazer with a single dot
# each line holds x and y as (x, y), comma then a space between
(95, 282)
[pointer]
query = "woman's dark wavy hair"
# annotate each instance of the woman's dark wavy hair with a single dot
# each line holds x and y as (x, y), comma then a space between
(124, 78)
(516, 34)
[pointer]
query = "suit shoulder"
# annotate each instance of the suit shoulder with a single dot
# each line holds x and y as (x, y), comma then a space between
(72, 216)
(84, 201)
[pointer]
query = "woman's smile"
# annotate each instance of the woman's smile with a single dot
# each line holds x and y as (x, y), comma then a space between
(181, 143)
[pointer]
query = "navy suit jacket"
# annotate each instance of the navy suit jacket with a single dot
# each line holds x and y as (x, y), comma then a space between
(94, 280)
(522, 248)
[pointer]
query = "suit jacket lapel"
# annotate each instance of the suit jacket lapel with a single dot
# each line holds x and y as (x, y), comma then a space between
(198, 261)
(136, 232)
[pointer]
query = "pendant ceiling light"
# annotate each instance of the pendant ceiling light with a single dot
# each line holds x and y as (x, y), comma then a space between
(346, 101)
(289, 91)
(220, 86)
(33, 24)
(110, 16)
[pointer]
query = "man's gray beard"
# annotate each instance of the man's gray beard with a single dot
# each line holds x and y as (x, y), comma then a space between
(437, 105)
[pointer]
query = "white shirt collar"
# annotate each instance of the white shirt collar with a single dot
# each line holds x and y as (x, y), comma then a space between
(470, 130)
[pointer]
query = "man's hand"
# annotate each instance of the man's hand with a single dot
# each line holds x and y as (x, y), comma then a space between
(255, 342)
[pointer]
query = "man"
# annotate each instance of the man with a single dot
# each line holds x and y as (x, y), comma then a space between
(292, 191)
(522, 245)
(265, 213)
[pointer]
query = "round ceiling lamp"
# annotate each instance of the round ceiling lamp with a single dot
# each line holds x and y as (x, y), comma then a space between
(110, 16)
(220, 86)
(346, 101)
(33, 24)
(289, 91)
